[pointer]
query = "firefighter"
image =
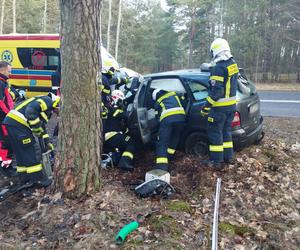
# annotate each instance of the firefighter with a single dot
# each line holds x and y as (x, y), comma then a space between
(221, 104)
(171, 115)
(131, 89)
(116, 136)
(6, 104)
(22, 123)
(109, 82)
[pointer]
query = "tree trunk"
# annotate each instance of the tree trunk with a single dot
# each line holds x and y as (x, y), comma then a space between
(77, 168)
(2, 16)
(14, 17)
(100, 19)
(108, 26)
(118, 30)
(269, 31)
(45, 17)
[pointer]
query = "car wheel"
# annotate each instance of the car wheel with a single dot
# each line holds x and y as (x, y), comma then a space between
(196, 143)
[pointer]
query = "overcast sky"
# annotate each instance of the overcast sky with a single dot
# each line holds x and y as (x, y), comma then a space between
(163, 4)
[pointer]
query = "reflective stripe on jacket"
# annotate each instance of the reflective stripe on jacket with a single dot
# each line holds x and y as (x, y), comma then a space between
(170, 107)
(223, 81)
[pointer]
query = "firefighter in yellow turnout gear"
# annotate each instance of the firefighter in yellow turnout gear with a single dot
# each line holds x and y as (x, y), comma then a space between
(22, 123)
(172, 117)
(221, 104)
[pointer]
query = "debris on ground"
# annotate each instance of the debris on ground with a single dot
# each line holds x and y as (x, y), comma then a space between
(259, 205)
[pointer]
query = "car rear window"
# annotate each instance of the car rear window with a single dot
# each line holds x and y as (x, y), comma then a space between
(168, 84)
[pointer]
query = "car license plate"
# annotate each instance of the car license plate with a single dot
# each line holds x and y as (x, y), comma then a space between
(254, 108)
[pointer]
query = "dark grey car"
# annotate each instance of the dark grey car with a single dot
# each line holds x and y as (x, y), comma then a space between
(194, 85)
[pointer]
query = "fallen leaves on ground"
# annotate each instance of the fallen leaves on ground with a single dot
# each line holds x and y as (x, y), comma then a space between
(259, 206)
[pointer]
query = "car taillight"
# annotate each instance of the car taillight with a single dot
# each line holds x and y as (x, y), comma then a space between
(236, 120)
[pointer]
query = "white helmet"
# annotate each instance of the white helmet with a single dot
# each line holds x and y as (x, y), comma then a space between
(219, 45)
(55, 99)
(117, 95)
(154, 93)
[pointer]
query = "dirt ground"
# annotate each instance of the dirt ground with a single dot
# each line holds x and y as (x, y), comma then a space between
(259, 206)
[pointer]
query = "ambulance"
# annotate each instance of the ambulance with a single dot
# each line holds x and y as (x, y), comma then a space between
(35, 60)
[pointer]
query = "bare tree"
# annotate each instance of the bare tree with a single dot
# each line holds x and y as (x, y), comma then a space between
(192, 36)
(118, 29)
(14, 17)
(108, 26)
(2, 16)
(77, 168)
(45, 17)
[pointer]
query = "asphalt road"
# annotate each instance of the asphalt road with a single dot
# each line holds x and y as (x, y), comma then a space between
(280, 103)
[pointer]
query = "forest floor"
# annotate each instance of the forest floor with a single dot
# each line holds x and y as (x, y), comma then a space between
(259, 205)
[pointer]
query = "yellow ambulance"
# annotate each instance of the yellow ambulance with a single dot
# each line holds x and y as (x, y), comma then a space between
(35, 59)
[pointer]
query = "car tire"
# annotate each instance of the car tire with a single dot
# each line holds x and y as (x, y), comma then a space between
(196, 144)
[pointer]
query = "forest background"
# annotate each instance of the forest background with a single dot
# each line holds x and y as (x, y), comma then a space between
(165, 35)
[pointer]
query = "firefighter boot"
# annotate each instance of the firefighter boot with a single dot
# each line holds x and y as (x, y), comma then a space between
(22, 178)
(214, 165)
(40, 179)
(125, 163)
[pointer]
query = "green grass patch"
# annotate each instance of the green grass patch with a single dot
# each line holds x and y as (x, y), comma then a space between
(179, 206)
(228, 228)
(166, 224)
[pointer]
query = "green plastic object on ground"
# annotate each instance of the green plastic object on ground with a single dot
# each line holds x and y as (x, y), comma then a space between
(127, 229)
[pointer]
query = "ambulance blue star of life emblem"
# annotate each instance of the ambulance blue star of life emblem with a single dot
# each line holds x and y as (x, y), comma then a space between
(7, 56)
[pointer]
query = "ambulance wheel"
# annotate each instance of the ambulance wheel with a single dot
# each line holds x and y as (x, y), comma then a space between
(196, 144)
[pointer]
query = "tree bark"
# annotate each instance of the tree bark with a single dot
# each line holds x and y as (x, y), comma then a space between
(2, 16)
(77, 169)
(118, 30)
(108, 26)
(45, 17)
(14, 17)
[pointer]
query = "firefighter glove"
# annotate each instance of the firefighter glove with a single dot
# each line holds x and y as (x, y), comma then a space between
(50, 146)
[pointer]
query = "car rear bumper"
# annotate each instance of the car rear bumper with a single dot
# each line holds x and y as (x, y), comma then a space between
(241, 139)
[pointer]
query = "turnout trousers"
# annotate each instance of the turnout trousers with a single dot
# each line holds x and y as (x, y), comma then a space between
(117, 141)
(219, 135)
(168, 139)
(22, 141)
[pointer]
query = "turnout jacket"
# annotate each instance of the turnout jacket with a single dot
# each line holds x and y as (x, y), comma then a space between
(223, 79)
(116, 120)
(169, 107)
(33, 113)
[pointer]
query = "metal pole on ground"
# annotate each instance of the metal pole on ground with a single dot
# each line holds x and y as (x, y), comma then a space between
(214, 243)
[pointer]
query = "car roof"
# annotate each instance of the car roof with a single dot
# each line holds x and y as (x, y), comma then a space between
(195, 74)
(182, 72)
